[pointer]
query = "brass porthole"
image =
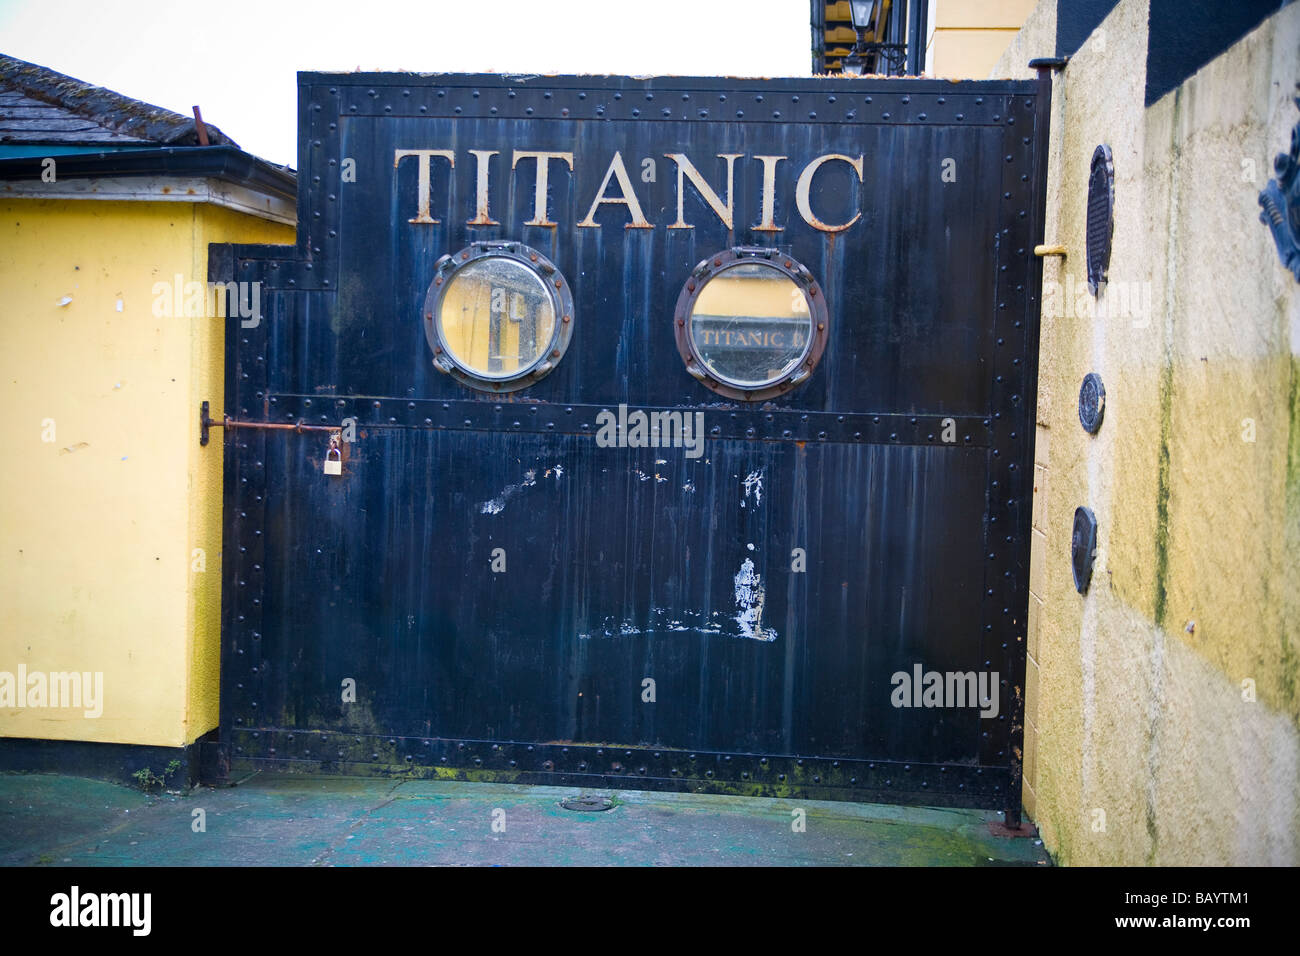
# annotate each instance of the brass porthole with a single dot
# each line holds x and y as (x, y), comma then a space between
(750, 323)
(498, 316)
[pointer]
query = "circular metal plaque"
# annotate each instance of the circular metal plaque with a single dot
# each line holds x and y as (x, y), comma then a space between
(1092, 403)
(1101, 215)
(1083, 547)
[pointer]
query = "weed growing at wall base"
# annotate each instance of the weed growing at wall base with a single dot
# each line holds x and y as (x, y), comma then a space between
(149, 780)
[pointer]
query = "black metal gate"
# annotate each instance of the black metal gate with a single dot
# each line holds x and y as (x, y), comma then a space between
(826, 596)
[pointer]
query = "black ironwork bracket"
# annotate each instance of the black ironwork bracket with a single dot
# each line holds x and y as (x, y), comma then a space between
(892, 55)
(1280, 201)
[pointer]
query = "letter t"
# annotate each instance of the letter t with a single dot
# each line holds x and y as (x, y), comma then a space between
(543, 171)
(422, 209)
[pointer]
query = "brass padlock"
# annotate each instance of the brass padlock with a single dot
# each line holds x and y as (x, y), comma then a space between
(334, 459)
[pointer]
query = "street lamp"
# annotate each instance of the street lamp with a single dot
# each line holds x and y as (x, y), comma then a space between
(861, 11)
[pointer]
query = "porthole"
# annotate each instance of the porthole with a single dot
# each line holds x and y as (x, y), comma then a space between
(750, 323)
(498, 316)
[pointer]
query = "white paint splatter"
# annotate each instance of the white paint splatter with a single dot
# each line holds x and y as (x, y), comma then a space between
(749, 598)
(661, 620)
(494, 506)
(753, 486)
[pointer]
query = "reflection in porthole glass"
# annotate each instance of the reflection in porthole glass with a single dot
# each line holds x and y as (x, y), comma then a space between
(751, 325)
(497, 317)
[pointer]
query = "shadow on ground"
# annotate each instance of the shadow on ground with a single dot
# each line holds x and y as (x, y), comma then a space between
(54, 820)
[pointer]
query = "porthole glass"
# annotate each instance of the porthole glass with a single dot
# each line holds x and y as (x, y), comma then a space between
(498, 316)
(750, 323)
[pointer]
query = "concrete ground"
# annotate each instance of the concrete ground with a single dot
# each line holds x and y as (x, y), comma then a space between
(54, 820)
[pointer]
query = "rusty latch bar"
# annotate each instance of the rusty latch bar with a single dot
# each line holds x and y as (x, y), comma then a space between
(206, 421)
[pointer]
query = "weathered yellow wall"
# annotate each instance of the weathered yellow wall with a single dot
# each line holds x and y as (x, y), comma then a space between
(967, 38)
(1136, 707)
(99, 525)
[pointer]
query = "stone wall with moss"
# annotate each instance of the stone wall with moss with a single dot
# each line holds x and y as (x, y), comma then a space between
(1163, 721)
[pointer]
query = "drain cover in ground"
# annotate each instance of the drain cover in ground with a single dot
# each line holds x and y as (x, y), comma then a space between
(587, 803)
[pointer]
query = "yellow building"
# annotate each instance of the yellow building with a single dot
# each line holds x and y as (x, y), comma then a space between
(965, 38)
(110, 339)
(956, 39)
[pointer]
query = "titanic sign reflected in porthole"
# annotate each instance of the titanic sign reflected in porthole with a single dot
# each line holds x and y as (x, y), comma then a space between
(750, 323)
(498, 316)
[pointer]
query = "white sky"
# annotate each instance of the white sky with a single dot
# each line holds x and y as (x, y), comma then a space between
(237, 59)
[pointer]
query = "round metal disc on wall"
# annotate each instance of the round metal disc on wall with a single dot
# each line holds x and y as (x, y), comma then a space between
(1083, 546)
(1101, 216)
(1092, 403)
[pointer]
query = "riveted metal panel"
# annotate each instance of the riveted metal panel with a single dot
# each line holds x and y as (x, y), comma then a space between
(870, 522)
